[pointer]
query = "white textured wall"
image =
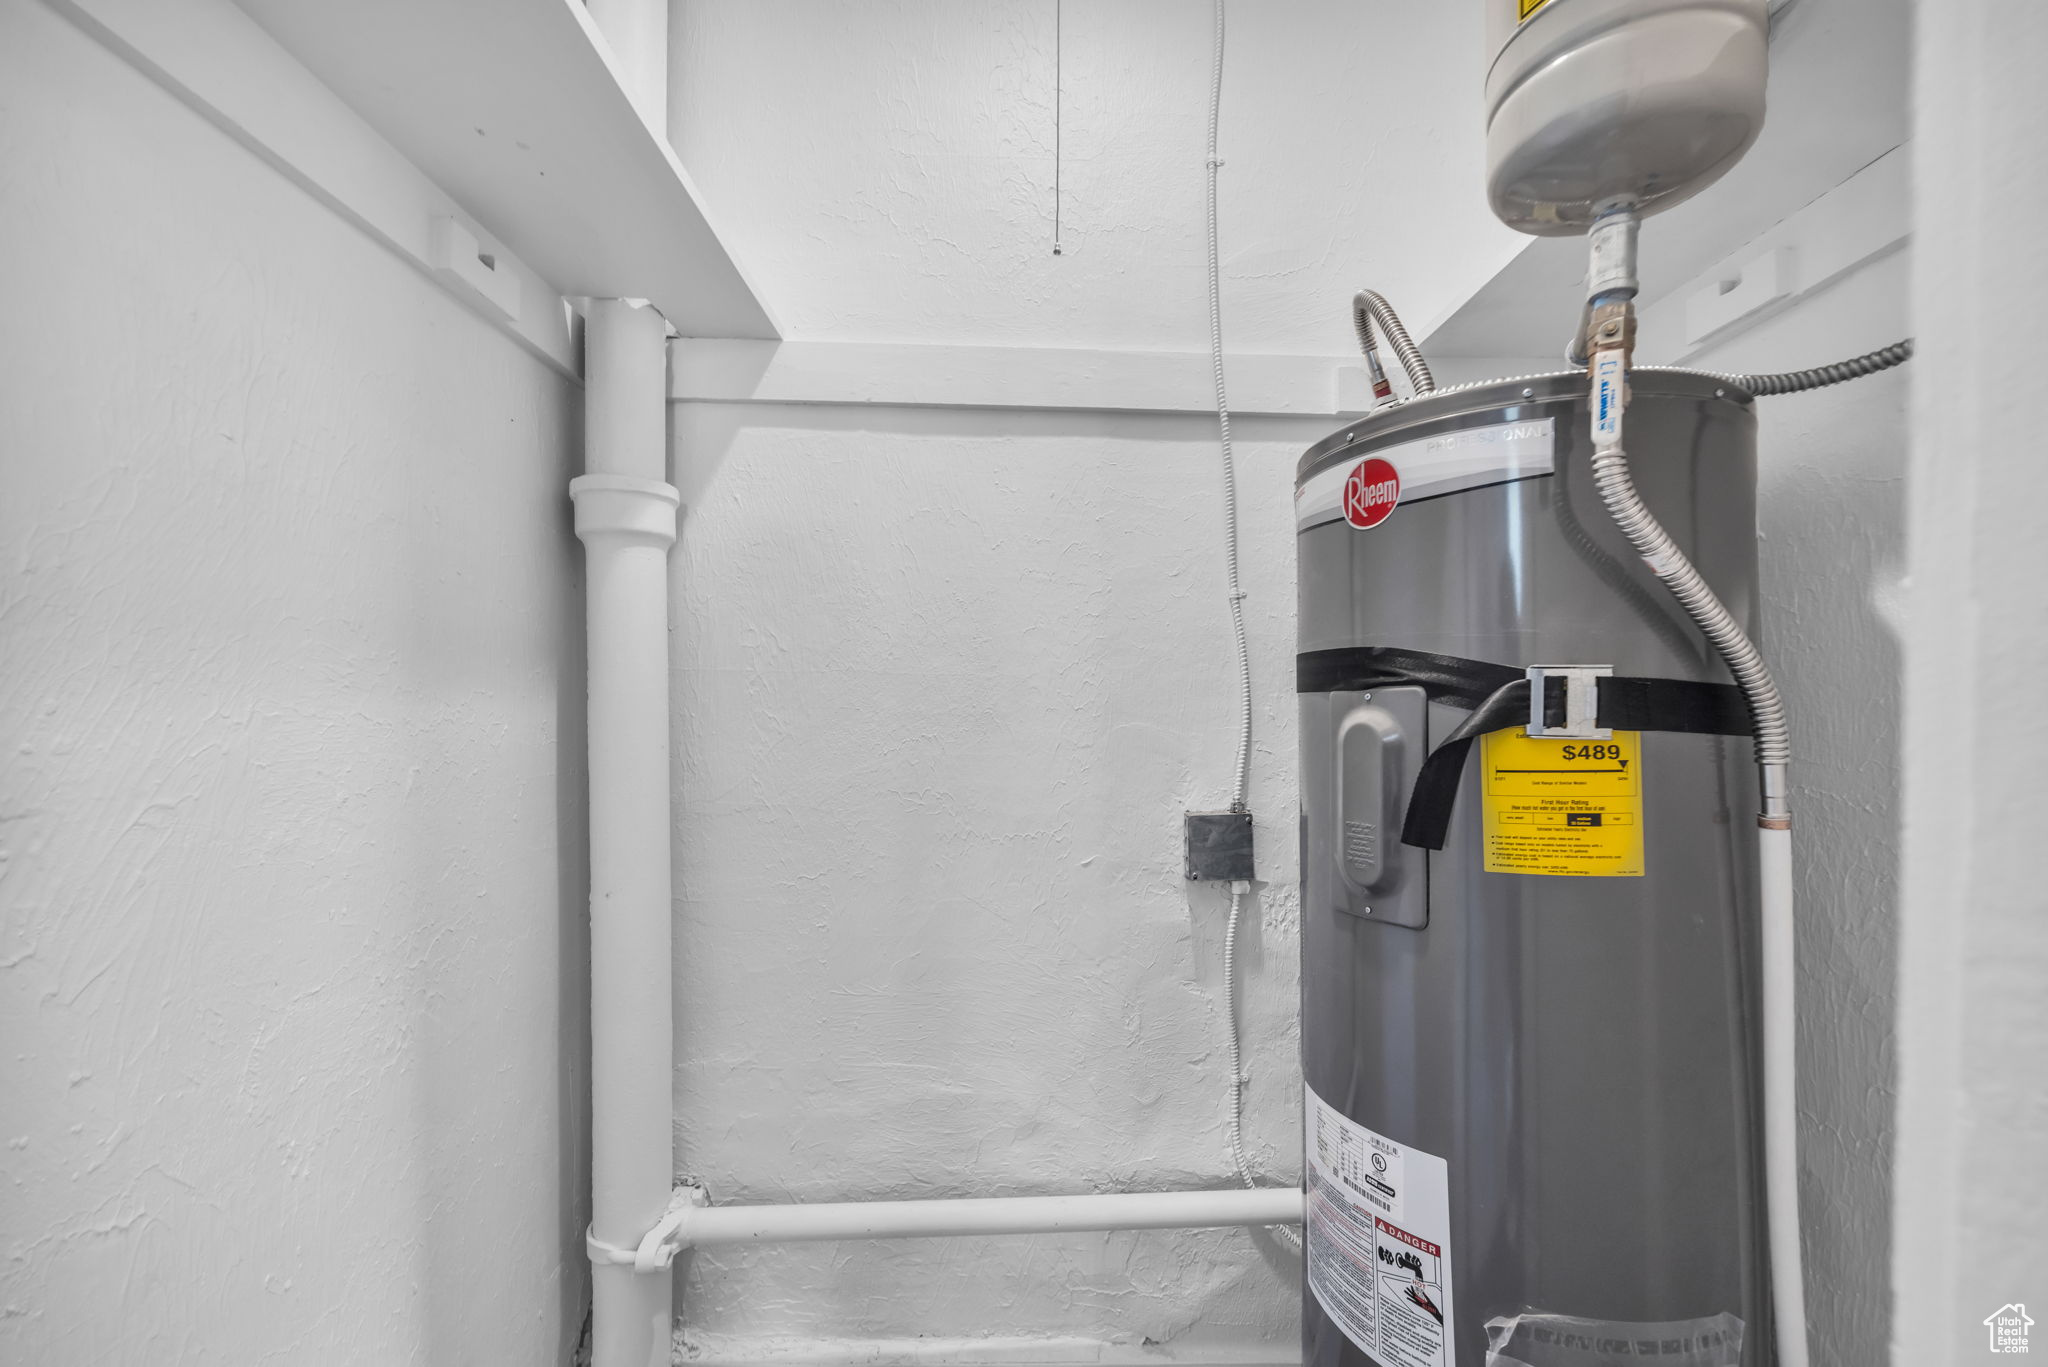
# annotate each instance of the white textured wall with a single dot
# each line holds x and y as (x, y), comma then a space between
(888, 166)
(1973, 1013)
(1832, 507)
(947, 681)
(291, 878)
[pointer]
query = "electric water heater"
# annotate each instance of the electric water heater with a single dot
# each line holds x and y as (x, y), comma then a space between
(1529, 960)
(1545, 869)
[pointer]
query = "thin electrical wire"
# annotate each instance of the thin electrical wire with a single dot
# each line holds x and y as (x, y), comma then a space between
(1241, 766)
(1058, 99)
(1241, 770)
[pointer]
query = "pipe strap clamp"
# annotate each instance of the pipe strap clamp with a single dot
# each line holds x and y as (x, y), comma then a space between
(659, 1246)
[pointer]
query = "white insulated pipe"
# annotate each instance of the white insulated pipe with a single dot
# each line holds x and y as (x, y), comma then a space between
(1781, 1094)
(626, 518)
(699, 1225)
(637, 33)
(625, 395)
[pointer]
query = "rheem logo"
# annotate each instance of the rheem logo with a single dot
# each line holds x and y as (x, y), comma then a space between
(1371, 493)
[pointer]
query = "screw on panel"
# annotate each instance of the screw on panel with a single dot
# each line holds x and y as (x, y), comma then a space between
(1528, 393)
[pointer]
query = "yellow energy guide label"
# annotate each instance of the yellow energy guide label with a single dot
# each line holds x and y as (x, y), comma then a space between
(1567, 808)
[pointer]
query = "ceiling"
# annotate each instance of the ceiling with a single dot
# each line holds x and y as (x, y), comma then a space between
(887, 170)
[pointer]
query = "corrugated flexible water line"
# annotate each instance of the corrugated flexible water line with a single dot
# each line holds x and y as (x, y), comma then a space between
(1369, 307)
(1241, 770)
(1618, 491)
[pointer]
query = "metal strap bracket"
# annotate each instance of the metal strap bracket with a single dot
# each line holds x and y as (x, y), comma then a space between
(659, 1246)
(1581, 701)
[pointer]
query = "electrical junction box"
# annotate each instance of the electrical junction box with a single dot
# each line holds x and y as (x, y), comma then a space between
(1219, 847)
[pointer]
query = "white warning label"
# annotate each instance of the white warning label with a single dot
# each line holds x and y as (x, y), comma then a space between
(1379, 1240)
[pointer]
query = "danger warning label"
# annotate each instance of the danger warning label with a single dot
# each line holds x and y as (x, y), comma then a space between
(1568, 808)
(1378, 1235)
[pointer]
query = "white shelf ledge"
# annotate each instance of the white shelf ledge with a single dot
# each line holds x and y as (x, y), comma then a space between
(516, 109)
(220, 63)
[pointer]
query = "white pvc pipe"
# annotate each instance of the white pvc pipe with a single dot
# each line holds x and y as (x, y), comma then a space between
(626, 518)
(637, 33)
(700, 1225)
(1781, 1096)
(625, 363)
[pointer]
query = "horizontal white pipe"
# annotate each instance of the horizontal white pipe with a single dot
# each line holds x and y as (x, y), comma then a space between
(701, 1225)
(711, 1349)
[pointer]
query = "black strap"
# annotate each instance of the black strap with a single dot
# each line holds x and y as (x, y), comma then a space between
(1428, 824)
(1360, 669)
(1498, 697)
(1700, 709)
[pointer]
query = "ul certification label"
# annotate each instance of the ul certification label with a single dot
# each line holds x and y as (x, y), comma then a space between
(1379, 1240)
(1569, 808)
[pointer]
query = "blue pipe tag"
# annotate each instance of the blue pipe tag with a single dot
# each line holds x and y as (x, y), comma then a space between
(1607, 399)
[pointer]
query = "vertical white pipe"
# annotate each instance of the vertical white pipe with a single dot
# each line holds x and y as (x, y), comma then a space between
(637, 33)
(625, 396)
(1781, 1095)
(626, 517)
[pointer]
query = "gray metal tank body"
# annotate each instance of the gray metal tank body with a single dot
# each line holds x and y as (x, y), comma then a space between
(1584, 1052)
